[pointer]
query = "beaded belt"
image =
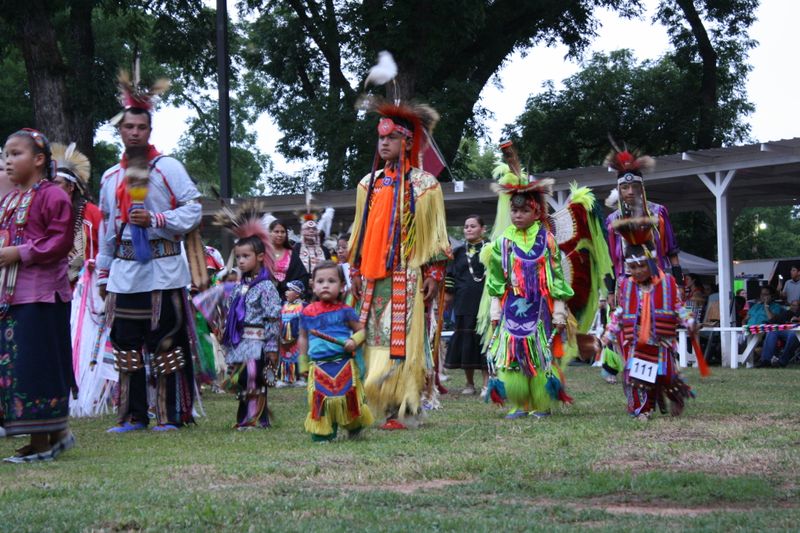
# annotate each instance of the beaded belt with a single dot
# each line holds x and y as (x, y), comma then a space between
(159, 248)
(255, 333)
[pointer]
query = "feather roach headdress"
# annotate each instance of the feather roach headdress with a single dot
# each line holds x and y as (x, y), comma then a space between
(414, 120)
(131, 96)
(72, 165)
(514, 180)
(244, 222)
(629, 165)
(515, 187)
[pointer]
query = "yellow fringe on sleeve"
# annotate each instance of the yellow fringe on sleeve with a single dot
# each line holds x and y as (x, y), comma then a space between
(430, 222)
(355, 230)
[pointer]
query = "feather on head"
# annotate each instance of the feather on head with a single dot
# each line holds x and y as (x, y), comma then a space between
(246, 221)
(72, 165)
(629, 165)
(415, 120)
(383, 72)
(131, 96)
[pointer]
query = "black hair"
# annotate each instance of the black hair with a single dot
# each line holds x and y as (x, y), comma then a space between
(638, 250)
(328, 265)
(138, 111)
(278, 222)
(254, 242)
(343, 237)
(44, 148)
(400, 121)
(478, 218)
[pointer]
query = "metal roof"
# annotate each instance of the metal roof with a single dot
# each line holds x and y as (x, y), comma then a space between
(767, 174)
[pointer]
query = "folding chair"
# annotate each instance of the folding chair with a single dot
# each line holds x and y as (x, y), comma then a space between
(710, 320)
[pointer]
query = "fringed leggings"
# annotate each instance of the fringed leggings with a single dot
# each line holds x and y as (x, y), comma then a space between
(253, 409)
(153, 321)
(643, 397)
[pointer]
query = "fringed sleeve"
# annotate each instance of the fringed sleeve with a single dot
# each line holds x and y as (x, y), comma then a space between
(684, 314)
(494, 287)
(431, 242)
(355, 231)
(557, 284)
(491, 256)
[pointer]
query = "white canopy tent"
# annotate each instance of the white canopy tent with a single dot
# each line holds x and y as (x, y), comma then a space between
(693, 264)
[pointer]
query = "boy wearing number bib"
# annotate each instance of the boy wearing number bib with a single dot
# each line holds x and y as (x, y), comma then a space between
(644, 324)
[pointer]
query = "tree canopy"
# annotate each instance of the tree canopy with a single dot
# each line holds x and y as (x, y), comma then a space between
(693, 97)
(62, 59)
(313, 56)
(303, 61)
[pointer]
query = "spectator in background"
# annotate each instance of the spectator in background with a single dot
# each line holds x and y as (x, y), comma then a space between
(740, 306)
(790, 290)
(693, 295)
(341, 258)
(288, 266)
(763, 311)
(691, 286)
(769, 355)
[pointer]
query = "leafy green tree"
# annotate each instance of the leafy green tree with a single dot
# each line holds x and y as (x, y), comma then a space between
(313, 55)
(645, 104)
(711, 44)
(474, 162)
(199, 149)
(72, 51)
(766, 232)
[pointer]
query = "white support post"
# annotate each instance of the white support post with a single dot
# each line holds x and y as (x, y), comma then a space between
(682, 348)
(559, 200)
(719, 188)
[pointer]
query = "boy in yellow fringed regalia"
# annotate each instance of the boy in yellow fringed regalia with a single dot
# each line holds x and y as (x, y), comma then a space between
(398, 251)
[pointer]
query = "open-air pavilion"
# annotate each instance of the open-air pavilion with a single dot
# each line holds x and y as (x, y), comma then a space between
(719, 182)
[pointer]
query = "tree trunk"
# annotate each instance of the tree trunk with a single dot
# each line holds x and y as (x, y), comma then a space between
(45, 69)
(706, 137)
(81, 99)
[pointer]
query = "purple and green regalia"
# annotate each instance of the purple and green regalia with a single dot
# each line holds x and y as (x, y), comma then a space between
(524, 274)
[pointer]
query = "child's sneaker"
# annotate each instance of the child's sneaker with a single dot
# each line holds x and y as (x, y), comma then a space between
(299, 383)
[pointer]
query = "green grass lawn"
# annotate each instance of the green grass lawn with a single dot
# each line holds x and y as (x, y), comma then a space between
(730, 462)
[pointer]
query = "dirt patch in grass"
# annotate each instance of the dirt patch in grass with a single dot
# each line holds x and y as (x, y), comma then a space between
(663, 510)
(409, 487)
(115, 528)
(721, 462)
(638, 508)
(207, 477)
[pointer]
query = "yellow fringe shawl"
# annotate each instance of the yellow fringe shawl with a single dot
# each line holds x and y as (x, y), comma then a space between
(427, 230)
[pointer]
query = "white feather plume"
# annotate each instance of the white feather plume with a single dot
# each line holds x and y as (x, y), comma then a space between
(612, 199)
(383, 72)
(267, 219)
(325, 223)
